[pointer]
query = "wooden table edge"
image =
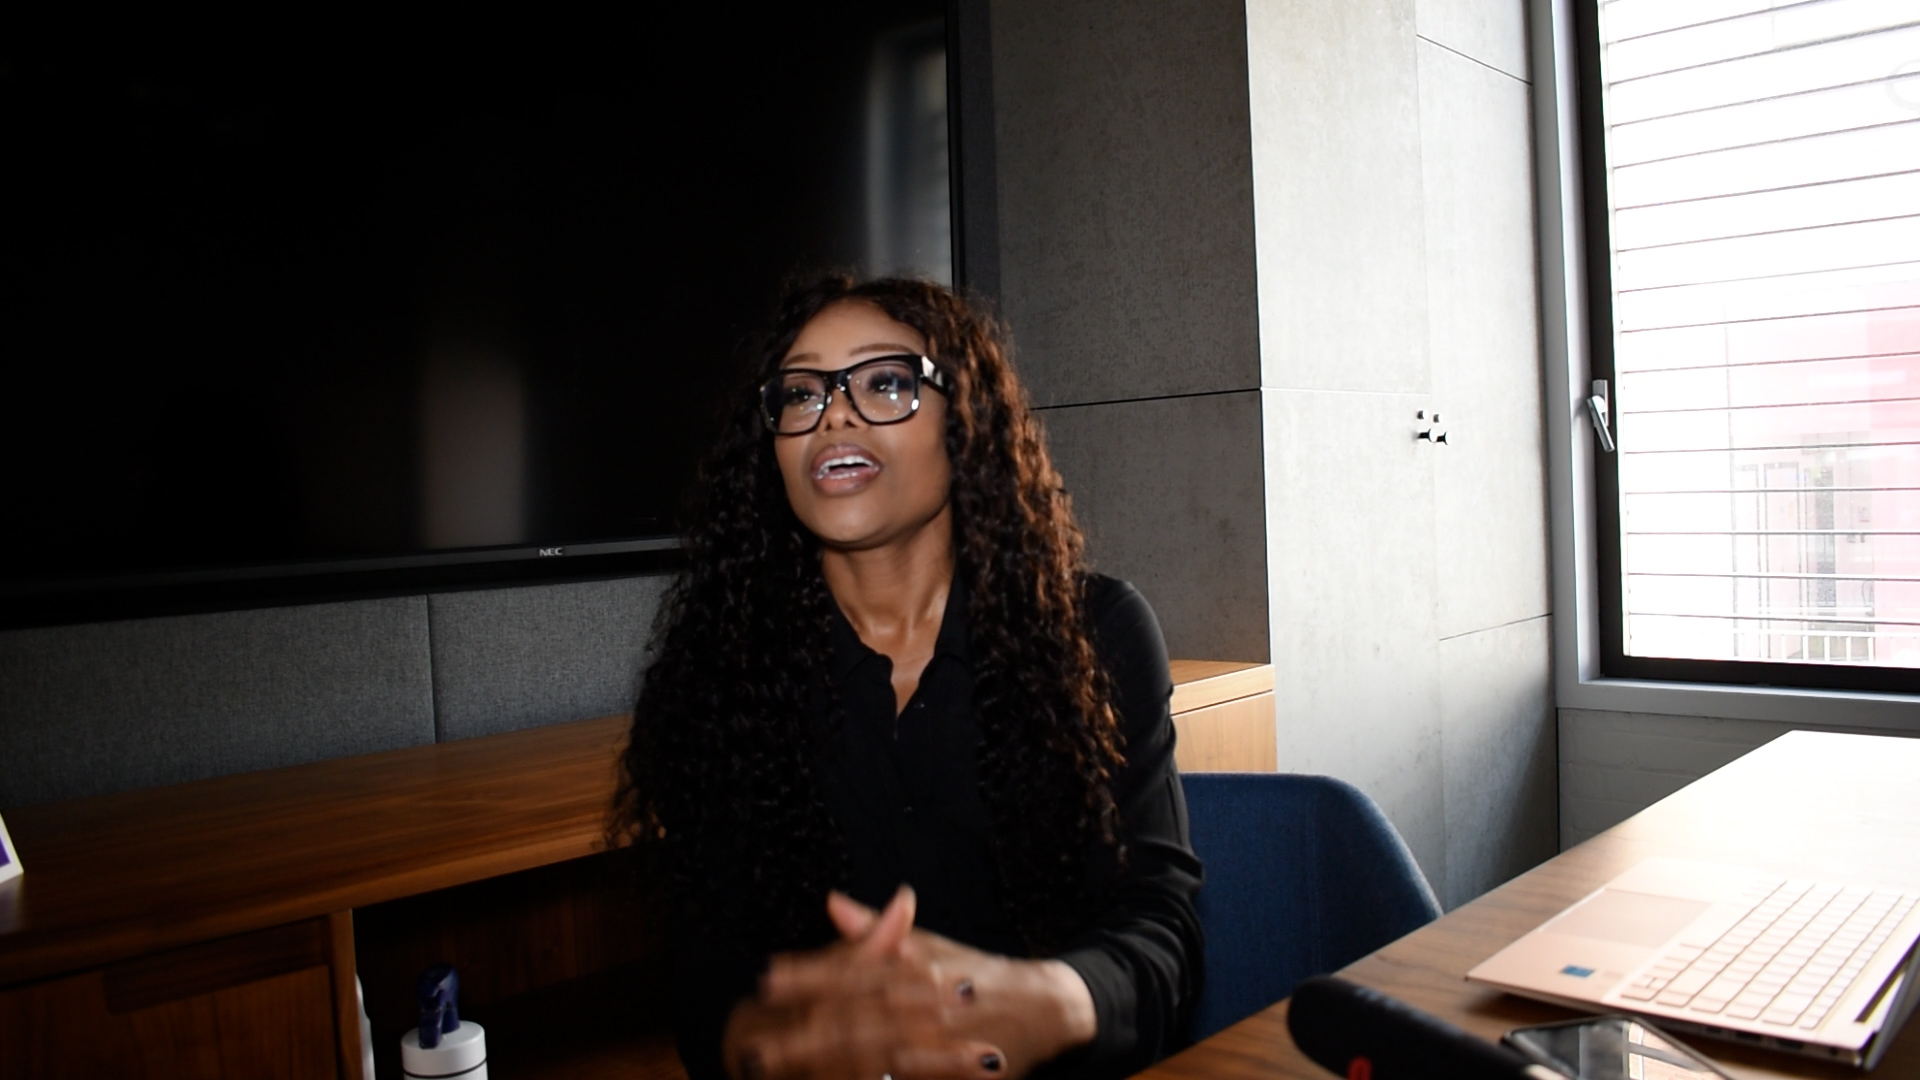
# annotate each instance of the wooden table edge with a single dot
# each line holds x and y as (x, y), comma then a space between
(35, 952)
(1198, 684)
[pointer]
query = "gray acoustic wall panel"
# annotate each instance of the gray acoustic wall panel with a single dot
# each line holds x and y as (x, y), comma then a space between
(1125, 198)
(1126, 261)
(1169, 493)
(90, 710)
(507, 659)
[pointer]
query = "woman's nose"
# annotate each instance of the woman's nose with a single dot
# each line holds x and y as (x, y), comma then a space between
(840, 411)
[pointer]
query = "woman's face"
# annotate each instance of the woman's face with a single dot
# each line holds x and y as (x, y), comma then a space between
(858, 485)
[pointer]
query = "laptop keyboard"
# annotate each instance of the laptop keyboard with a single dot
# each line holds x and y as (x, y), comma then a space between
(1794, 954)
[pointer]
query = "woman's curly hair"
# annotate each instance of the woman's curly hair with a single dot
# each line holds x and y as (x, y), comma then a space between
(717, 779)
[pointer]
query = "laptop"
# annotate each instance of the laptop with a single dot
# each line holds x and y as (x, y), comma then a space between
(1818, 968)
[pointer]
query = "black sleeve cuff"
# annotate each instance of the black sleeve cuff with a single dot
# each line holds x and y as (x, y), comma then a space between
(1115, 1006)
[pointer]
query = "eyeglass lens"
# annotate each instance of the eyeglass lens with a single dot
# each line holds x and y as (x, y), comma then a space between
(881, 391)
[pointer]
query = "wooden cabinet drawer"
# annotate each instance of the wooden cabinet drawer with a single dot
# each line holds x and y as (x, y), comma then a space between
(1233, 736)
(251, 1005)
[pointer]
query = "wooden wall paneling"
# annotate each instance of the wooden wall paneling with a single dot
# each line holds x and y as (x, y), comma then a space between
(1233, 736)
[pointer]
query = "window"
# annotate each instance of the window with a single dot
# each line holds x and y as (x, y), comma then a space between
(1752, 175)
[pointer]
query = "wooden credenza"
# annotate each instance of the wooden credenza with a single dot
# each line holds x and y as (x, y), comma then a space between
(213, 929)
(210, 929)
(1223, 712)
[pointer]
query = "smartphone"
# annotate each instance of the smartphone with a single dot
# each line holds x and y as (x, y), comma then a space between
(1611, 1048)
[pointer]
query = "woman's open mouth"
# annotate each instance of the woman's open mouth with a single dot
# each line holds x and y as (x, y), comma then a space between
(844, 467)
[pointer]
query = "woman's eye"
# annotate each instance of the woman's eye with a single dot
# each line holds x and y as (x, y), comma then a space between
(888, 383)
(800, 395)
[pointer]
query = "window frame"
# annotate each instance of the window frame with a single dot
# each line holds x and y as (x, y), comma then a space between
(1591, 667)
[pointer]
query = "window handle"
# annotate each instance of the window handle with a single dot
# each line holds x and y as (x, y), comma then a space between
(1597, 408)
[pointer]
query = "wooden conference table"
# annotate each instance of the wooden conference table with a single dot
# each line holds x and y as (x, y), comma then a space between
(1843, 807)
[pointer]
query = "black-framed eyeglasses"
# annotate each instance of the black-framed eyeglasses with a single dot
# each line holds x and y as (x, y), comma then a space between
(883, 390)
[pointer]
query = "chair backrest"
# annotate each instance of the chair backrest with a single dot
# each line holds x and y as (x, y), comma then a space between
(1304, 875)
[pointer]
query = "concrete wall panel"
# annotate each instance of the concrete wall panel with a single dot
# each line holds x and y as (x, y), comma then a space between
(1493, 32)
(1336, 151)
(1477, 169)
(1615, 764)
(1350, 581)
(1498, 734)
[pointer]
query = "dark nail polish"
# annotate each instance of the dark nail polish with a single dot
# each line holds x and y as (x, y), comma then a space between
(990, 1062)
(965, 990)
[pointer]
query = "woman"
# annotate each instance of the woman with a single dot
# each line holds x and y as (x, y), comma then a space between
(906, 766)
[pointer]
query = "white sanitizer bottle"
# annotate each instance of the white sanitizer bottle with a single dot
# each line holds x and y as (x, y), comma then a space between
(443, 1047)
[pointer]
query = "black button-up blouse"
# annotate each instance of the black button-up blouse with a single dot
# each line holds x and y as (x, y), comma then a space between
(905, 791)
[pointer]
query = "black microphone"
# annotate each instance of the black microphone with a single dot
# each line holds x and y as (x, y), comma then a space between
(1362, 1034)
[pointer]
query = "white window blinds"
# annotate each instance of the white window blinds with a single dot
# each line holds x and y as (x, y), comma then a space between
(1763, 184)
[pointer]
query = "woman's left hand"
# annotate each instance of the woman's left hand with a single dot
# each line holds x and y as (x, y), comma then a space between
(943, 1009)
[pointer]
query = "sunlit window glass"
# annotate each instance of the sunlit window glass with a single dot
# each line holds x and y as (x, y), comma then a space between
(1763, 185)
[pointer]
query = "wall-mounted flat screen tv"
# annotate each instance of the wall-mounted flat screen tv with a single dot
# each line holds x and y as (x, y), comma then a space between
(325, 305)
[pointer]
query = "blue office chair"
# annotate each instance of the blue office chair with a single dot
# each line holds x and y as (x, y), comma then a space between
(1304, 876)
